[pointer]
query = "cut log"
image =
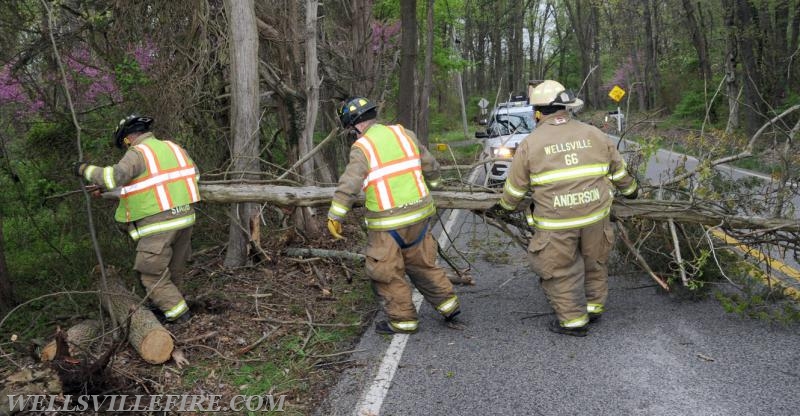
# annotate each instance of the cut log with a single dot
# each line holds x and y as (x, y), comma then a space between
(679, 211)
(147, 336)
(80, 338)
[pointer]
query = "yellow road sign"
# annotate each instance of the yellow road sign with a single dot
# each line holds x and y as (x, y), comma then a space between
(616, 93)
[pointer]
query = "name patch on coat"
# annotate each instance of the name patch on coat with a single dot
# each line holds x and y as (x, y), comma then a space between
(568, 146)
(180, 210)
(576, 198)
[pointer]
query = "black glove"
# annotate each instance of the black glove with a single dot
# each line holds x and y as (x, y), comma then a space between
(78, 168)
(633, 195)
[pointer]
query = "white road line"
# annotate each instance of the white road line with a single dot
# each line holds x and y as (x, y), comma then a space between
(371, 404)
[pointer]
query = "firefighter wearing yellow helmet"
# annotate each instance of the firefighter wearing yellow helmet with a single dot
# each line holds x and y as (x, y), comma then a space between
(394, 171)
(571, 169)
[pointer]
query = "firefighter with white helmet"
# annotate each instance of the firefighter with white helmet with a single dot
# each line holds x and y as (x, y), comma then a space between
(571, 169)
(394, 171)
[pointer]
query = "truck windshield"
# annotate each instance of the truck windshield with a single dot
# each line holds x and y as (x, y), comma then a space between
(511, 123)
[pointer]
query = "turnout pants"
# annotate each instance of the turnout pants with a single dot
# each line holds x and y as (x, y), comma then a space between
(572, 265)
(387, 264)
(161, 260)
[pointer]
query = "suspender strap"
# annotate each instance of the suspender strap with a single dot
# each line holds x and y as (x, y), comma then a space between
(403, 245)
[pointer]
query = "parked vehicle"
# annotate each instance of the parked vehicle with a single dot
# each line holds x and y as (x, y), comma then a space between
(508, 124)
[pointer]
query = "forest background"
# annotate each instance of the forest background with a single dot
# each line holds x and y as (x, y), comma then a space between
(249, 87)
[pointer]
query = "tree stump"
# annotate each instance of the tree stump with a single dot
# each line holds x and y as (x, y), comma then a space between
(80, 338)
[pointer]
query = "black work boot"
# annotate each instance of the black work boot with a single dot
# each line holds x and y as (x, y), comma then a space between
(594, 317)
(555, 326)
(184, 318)
(452, 315)
(385, 328)
(162, 319)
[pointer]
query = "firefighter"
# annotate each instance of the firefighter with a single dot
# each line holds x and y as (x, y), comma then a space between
(389, 165)
(156, 183)
(571, 169)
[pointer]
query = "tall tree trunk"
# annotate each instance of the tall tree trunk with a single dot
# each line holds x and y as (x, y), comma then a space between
(594, 78)
(583, 18)
(793, 82)
(746, 35)
(308, 224)
(408, 64)
(427, 82)
(540, 49)
(697, 40)
(6, 288)
(780, 47)
(516, 52)
(244, 118)
(312, 92)
(496, 39)
(652, 75)
(480, 56)
(794, 37)
(731, 57)
(363, 58)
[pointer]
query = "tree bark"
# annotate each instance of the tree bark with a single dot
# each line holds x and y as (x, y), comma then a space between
(80, 337)
(6, 287)
(146, 335)
(516, 52)
(731, 58)
(747, 36)
(244, 118)
(652, 75)
(697, 40)
(312, 91)
(307, 224)
(427, 82)
(585, 22)
(408, 64)
(363, 58)
(679, 211)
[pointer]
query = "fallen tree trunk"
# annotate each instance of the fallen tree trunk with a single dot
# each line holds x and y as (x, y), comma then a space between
(678, 211)
(80, 338)
(147, 336)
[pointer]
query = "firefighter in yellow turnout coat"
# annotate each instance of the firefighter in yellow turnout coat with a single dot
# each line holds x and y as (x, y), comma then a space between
(156, 183)
(389, 165)
(571, 169)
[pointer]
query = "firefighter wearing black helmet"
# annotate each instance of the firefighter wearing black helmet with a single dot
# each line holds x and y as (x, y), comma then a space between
(571, 169)
(389, 165)
(156, 183)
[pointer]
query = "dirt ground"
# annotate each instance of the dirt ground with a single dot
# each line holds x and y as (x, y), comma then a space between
(282, 326)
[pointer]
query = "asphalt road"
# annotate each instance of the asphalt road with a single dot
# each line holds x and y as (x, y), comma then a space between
(652, 353)
(663, 163)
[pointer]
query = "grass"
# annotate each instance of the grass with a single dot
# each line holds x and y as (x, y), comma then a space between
(449, 137)
(460, 154)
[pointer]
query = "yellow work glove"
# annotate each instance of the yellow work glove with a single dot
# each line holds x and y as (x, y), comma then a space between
(335, 228)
